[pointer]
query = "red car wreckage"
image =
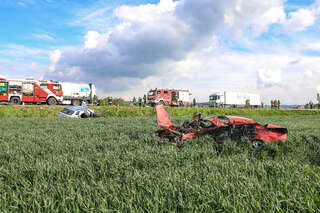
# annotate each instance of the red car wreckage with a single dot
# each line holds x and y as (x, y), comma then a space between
(219, 127)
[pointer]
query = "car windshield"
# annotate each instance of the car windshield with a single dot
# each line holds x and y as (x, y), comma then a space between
(57, 87)
(67, 111)
(214, 97)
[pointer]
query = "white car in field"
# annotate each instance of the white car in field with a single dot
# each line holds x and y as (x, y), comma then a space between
(77, 112)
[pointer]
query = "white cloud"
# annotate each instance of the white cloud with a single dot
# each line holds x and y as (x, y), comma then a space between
(3, 76)
(43, 36)
(308, 73)
(92, 39)
(257, 14)
(99, 18)
(21, 51)
(158, 33)
(54, 57)
(269, 77)
(17, 69)
(176, 44)
(300, 20)
(312, 45)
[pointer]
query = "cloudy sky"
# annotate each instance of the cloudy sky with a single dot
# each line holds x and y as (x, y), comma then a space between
(127, 47)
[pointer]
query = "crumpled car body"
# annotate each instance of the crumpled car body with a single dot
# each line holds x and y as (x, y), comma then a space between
(220, 128)
(77, 112)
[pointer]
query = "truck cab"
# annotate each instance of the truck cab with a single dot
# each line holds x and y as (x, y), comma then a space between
(157, 96)
(216, 99)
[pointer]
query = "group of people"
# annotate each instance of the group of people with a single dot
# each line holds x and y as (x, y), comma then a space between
(275, 104)
(314, 106)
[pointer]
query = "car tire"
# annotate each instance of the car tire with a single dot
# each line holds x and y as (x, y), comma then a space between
(15, 101)
(52, 101)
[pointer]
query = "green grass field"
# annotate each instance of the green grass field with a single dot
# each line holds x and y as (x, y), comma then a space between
(114, 165)
(52, 111)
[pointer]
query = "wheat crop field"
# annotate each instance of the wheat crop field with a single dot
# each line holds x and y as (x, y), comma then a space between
(114, 164)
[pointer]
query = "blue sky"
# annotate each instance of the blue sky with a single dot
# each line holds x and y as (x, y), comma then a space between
(127, 47)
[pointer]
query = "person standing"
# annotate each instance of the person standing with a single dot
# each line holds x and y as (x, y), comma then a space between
(275, 104)
(278, 104)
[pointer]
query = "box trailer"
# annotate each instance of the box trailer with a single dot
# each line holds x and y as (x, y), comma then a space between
(234, 99)
(75, 93)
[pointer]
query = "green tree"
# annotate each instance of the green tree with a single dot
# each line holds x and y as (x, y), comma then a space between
(118, 102)
(194, 102)
(134, 101)
(106, 101)
(272, 104)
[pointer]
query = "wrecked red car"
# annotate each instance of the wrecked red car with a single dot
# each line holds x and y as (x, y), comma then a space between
(219, 127)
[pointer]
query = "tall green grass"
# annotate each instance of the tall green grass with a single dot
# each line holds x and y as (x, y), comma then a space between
(52, 111)
(114, 165)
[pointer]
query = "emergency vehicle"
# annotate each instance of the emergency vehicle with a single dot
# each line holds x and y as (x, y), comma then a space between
(30, 91)
(168, 97)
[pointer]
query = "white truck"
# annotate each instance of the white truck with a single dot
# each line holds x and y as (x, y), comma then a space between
(75, 93)
(234, 99)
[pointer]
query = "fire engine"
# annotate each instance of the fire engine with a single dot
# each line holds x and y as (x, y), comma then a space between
(168, 97)
(30, 91)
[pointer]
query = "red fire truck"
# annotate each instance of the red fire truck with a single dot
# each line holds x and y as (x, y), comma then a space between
(168, 97)
(30, 91)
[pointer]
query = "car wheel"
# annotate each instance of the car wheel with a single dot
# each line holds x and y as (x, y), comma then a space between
(52, 101)
(257, 145)
(15, 101)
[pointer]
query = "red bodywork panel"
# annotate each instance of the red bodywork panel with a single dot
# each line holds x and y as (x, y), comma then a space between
(234, 120)
(163, 117)
(266, 133)
(4, 98)
(270, 132)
